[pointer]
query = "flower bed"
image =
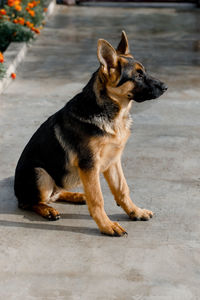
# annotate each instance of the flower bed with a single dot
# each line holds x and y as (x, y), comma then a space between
(20, 20)
(2, 67)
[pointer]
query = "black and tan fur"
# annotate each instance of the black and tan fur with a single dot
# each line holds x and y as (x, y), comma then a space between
(85, 138)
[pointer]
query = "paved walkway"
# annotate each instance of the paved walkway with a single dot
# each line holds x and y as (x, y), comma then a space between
(69, 259)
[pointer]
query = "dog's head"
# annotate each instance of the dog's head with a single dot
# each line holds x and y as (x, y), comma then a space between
(123, 76)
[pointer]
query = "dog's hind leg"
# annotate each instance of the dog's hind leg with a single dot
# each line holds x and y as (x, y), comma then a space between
(46, 211)
(65, 196)
(46, 187)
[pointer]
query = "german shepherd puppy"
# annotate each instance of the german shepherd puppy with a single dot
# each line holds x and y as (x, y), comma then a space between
(86, 137)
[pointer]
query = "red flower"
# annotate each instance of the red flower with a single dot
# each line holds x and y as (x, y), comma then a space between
(1, 58)
(2, 12)
(13, 75)
(11, 3)
(36, 30)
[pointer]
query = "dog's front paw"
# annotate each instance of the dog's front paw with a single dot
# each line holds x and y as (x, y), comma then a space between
(141, 215)
(114, 229)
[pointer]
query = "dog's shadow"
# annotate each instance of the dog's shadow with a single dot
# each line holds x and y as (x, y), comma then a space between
(8, 206)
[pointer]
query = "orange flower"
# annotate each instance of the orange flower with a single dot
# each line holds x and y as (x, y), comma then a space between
(13, 75)
(21, 21)
(16, 4)
(45, 9)
(18, 7)
(36, 30)
(29, 24)
(31, 13)
(1, 58)
(2, 12)
(11, 3)
(31, 5)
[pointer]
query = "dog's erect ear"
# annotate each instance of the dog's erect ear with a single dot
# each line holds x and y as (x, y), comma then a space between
(106, 55)
(123, 47)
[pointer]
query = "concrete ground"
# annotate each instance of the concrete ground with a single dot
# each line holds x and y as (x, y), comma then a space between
(70, 259)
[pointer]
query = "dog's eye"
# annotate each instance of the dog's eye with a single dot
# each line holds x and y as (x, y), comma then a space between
(140, 72)
(139, 76)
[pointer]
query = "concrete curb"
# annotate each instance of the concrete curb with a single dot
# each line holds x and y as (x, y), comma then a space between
(16, 53)
(13, 56)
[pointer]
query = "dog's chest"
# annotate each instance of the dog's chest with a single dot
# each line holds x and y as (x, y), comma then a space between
(111, 150)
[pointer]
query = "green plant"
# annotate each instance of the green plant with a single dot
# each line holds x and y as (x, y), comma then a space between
(10, 32)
